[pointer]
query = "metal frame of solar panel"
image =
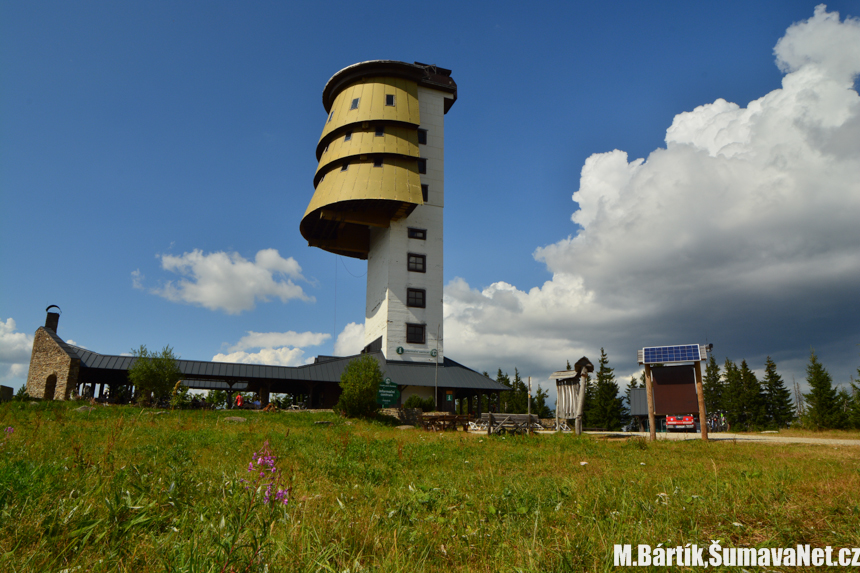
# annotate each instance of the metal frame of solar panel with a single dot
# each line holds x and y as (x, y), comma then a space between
(668, 354)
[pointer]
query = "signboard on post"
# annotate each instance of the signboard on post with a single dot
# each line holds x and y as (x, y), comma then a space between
(388, 394)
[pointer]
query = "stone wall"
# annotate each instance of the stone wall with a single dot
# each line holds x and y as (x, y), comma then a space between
(410, 416)
(49, 359)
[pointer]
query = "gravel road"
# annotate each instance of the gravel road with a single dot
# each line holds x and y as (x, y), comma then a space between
(728, 437)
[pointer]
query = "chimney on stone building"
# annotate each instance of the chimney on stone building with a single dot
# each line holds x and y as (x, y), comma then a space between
(53, 318)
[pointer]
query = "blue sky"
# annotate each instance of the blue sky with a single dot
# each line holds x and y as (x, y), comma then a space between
(143, 140)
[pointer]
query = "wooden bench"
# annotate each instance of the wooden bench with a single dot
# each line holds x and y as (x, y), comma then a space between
(444, 422)
(510, 423)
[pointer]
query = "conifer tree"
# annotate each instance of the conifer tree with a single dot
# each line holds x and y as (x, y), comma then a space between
(753, 398)
(503, 378)
(519, 399)
(629, 406)
(854, 406)
(712, 386)
(821, 402)
(777, 399)
(607, 407)
(539, 405)
(843, 408)
(732, 394)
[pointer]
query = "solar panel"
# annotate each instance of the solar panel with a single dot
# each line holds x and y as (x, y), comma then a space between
(666, 354)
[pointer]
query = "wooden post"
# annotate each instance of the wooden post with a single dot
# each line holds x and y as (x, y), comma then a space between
(649, 393)
(703, 416)
(490, 424)
(557, 403)
(530, 406)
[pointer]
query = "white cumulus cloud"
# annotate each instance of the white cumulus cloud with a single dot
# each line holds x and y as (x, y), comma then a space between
(228, 281)
(350, 341)
(269, 356)
(15, 350)
(275, 348)
(745, 228)
(279, 339)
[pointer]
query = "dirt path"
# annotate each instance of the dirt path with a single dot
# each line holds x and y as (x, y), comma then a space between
(728, 437)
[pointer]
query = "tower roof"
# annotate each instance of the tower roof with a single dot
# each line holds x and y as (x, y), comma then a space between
(426, 75)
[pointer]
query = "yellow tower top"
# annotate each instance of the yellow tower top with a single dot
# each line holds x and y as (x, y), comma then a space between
(369, 163)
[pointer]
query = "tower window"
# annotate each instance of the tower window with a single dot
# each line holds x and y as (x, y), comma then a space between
(377, 162)
(422, 136)
(425, 192)
(415, 333)
(326, 149)
(347, 136)
(416, 297)
(354, 103)
(417, 263)
(418, 234)
(380, 131)
(389, 99)
(345, 166)
(331, 115)
(422, 166)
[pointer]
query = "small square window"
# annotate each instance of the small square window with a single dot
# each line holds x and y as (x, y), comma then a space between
(345, 166)
(416, 297)
(389, 99)
(380, 131)
(417, 263)
(377, 162)
(418, 234)
(415, 333)
(422, 136)
(354, 103)
(347, 136)
(425, 192)
(422, 166)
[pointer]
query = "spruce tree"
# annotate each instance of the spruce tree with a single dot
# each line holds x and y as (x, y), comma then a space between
(821, 402)
(712, 386)
(629, 404)
(519, 395)
(843, 408)
(778, 405)
(504, 399)
(732, 394)
(539, 405)
(854, 406)
(753, 399)
(607, 407)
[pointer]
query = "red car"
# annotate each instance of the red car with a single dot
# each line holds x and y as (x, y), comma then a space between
(680, 423)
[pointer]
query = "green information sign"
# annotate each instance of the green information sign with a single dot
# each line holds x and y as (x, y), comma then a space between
(388, 394)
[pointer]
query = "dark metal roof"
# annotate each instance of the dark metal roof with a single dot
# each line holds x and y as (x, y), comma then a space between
(451, 374)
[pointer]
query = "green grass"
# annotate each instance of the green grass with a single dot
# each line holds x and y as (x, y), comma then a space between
(124, 489)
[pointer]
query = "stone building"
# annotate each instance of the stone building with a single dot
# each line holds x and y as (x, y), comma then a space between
(54, 365)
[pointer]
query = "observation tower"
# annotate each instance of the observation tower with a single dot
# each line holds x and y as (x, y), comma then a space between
(379, 194)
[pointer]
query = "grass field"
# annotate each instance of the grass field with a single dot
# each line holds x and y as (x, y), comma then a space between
(125, 489)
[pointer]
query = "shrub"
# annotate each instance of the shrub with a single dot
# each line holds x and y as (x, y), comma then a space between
(154, 374)
(359, 385)
(181, 398)
(217, 398)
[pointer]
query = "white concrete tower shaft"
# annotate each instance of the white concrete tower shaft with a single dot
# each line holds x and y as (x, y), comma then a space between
(405, 263)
